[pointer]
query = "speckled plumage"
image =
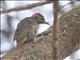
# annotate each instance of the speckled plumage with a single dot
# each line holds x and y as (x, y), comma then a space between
(27, 28)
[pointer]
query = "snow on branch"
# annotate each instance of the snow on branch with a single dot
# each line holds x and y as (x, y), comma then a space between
(25, 7)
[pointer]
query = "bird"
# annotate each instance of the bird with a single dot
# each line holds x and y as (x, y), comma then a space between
(27, 28)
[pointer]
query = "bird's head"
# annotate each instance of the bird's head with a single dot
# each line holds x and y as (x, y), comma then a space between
(40, 18)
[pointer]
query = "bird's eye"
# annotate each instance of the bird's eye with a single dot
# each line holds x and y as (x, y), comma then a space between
(41, 18)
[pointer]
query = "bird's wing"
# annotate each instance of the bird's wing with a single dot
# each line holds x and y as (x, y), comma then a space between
(22, 30)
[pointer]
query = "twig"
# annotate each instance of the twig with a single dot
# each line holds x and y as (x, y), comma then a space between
(56, 7)
(19, 8)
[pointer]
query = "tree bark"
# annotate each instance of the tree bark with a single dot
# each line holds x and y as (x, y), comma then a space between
(68, 41)
(68, 33)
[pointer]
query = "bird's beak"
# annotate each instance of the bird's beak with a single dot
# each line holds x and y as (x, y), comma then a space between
(47, 23)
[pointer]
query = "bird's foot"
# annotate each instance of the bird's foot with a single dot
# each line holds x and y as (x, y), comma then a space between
(37, 39)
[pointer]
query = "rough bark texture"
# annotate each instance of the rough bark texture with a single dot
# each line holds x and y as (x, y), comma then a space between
(41, 50)
(68, 35)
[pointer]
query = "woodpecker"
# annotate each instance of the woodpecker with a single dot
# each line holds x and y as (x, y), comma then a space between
(27, 28)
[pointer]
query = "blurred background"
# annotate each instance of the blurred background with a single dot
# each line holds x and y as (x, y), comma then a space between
(9, 21)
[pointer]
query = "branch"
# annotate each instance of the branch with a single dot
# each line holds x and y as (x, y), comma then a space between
(19, 8)
(41, 50)
(55, 23)
(68, 41)
(68, 36)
